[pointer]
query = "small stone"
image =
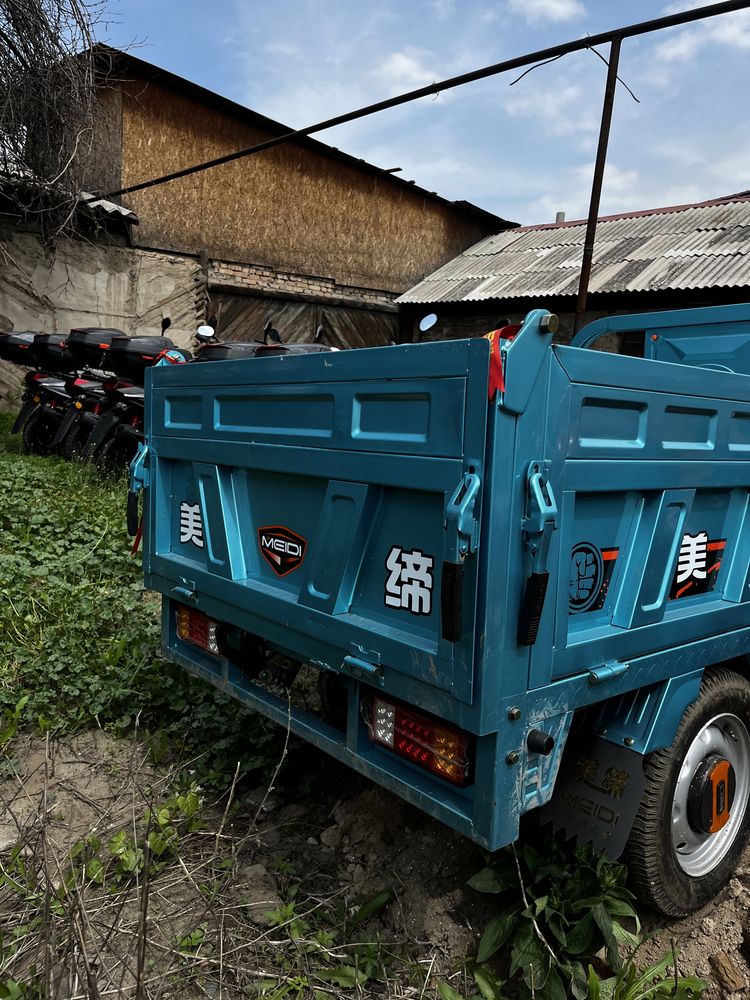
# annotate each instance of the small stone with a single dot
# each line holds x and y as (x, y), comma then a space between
(708, 925)
(258, 893)
(726, 973)
(735, 888)
(312, 842)
(331, 837)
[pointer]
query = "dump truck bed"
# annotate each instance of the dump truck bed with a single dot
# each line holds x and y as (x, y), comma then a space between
(579, 538)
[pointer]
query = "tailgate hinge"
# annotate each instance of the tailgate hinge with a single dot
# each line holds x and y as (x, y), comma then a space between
(460, 523)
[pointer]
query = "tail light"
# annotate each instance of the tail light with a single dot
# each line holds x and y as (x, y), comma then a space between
(195, 627)
(427, 742)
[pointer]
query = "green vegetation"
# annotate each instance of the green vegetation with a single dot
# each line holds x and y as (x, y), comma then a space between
(79, 645)
(79, 636)
(557, 911)
(324, 951)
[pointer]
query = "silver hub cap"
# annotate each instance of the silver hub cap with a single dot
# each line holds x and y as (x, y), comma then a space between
(698, 853)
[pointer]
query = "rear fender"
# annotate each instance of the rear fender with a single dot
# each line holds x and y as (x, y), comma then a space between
(601, 780)
(647, 719)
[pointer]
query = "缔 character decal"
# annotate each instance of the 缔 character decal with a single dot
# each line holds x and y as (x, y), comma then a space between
(697, 565)
(590, 574)
(410, 580)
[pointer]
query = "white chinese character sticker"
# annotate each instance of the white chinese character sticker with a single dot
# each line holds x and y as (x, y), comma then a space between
(691, 562)
(410, 580)
(191, 525)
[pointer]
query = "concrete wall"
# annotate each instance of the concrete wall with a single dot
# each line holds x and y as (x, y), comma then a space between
(86, 284)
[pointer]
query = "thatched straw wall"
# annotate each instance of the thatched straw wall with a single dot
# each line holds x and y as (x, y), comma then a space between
(291, 207)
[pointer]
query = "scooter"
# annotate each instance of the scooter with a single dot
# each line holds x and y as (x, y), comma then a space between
(114, 440)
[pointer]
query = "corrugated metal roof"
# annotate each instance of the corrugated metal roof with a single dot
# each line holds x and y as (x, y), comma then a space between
(686, 247)
(110, 207)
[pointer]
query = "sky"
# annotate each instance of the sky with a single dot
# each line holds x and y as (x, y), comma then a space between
(522, 150)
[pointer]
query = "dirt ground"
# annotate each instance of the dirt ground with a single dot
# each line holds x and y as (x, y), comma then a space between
(200, 926)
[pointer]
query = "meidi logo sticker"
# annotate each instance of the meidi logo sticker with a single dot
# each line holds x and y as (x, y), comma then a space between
(282, 548)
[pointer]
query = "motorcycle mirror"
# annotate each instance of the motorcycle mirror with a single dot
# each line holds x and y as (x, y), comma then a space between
(204, 333)
(165, 324)
(427, 322)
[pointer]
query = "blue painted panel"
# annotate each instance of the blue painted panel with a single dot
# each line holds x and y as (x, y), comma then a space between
(358, 454)
(357, 482)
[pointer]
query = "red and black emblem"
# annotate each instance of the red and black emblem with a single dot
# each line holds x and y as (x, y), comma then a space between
(282, 548)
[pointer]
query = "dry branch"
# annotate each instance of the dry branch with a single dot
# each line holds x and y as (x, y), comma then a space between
(48, 107)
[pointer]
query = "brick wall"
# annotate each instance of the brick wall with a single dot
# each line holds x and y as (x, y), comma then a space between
(258, 277)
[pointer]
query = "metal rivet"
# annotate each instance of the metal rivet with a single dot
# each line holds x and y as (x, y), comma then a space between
(514, 714)
(511, 758)
(628, 741)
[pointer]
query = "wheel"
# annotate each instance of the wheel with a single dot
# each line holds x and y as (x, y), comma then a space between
(116, 454)
(74, 440)
(693, 822)
(39, 432)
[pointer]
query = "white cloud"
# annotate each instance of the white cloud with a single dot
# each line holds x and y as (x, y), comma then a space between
(625, 189)
(565, 109)
(535, 11)
(405, 70)
(732, 30)
(443, 9)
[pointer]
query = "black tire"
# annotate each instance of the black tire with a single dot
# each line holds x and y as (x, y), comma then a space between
(116, 454)
(39, 432)
(74, 441)
(657, 870)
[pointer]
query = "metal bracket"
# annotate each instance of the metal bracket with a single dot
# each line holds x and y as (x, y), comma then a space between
(462, 526)
(139, 470)
(541, 514)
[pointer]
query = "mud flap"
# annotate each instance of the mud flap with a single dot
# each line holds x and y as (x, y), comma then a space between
(71, 415)
(102, 431)
(597, 793)
(23, 415)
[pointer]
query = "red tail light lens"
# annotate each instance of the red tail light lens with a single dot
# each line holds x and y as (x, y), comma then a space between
(427, 742)
(195, 627)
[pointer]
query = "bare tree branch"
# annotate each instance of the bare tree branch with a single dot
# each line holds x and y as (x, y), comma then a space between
(49, 107)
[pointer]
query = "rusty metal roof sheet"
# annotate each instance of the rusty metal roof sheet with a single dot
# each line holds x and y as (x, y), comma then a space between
(688, 246)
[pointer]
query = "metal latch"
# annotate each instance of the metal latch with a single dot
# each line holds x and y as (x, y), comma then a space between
(541, 514)
(138, 482)
(363, 669)
(185, 591)
(537, 526)
(462, 526)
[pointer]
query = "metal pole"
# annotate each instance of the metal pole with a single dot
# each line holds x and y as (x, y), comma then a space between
(629, 31)
(596, 184)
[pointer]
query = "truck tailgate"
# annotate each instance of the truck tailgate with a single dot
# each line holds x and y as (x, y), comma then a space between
(329, 499)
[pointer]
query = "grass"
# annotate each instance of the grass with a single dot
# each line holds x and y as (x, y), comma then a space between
(79, 636)
(79, 645)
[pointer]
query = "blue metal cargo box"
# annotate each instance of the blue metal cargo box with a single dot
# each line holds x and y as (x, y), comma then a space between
(577, 544)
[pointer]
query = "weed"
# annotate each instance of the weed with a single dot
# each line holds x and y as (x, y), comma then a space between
(79, 636)
(555, 910)
(324, 953)
(653, 983)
